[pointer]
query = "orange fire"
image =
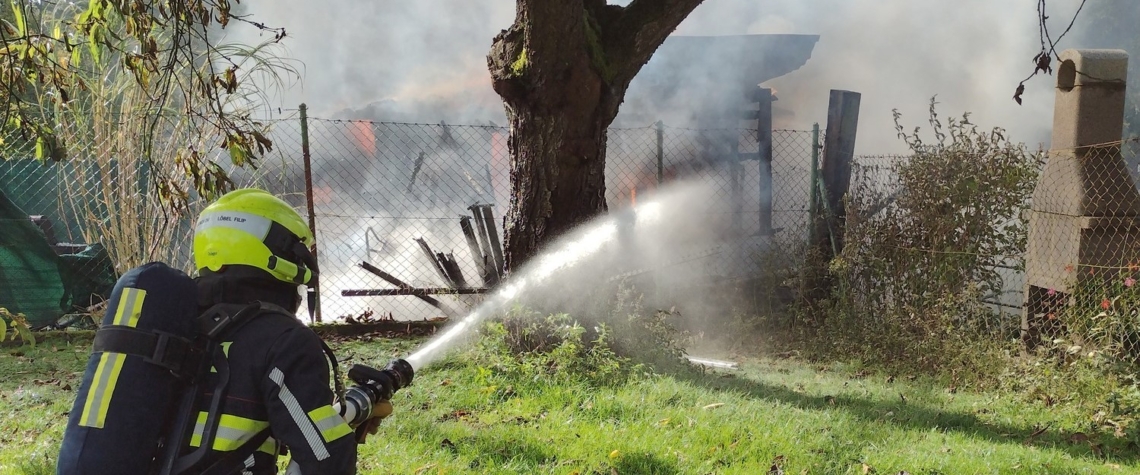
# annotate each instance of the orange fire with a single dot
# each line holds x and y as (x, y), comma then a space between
(500, 170)
(364, 136)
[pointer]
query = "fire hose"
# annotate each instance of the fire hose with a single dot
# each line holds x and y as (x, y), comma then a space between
(371, 387)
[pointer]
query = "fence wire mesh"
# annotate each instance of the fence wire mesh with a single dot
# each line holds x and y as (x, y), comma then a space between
(936, 240)
(1043, 246)
(1083, 253)
(381, 193)
(71, 227)
(382, 188)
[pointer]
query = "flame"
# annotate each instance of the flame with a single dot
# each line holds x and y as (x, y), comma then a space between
(365, 138)
(500, 170)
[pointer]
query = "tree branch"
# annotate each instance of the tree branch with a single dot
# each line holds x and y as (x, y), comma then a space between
(633, 37)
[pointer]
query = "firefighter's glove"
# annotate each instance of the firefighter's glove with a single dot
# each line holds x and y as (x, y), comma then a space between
(381, 410)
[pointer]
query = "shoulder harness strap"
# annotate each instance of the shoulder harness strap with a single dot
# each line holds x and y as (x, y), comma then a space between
(164, 349)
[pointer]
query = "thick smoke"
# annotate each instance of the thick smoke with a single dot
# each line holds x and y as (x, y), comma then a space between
(424, 61)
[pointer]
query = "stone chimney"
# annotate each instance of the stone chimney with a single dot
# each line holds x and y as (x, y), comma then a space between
(1086, 210)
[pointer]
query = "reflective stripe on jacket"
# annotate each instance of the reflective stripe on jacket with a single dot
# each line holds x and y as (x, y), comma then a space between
(279, 379)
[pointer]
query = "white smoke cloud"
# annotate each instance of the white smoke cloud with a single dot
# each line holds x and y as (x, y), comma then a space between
(424, 61)
(427, 58)
(899, 53)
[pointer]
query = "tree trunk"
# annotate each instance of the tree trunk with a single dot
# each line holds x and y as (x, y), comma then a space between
(557, 174)
(562, 70)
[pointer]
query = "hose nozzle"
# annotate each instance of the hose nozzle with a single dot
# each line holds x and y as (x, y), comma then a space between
(372, 386)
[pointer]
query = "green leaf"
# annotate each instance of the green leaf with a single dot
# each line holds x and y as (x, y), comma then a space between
(3, 329)
(18, 13)
(237, 153)
(26, 334)
(93, 42)
(96, 7)
(40, 145)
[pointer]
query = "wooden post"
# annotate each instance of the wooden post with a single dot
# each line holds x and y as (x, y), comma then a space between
(488, 259)
(493, 238)
(763, 97)
(473, 246)
(835, 169)
(439, 270)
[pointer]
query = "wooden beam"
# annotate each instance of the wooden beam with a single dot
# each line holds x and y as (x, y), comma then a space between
(391, 279)
(417, 292)
(835, 168)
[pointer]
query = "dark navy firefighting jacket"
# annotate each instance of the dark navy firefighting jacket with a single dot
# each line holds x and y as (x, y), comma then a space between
(279, 379)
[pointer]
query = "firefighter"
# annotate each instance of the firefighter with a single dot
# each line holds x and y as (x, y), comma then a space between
(250, 246)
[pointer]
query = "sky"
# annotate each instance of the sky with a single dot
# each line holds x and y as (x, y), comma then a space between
(425, 60)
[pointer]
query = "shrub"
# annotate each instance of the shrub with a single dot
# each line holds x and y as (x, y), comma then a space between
(606, 347)
(921, 259)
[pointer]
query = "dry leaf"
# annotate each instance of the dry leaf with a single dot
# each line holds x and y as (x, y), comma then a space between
(714, 405)
(867, 469)
(1096, 449)
(615, 454)
(775, 468)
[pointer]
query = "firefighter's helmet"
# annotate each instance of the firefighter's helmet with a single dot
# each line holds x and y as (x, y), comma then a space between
(251, 227)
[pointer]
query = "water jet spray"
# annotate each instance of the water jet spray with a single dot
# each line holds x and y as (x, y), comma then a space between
(585, 242)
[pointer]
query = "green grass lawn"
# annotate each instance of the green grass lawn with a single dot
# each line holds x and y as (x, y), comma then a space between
(783, 416)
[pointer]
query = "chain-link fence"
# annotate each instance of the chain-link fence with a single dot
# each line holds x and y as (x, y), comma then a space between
(383, 194)
(386, 193)
(988, 240)
(938, 233)
(1083, 254)
(71, 227)
(979, 233)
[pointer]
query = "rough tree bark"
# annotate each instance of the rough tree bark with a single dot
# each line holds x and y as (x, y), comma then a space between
(562, 70)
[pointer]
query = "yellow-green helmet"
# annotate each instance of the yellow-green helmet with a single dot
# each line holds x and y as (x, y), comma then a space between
(251, 227)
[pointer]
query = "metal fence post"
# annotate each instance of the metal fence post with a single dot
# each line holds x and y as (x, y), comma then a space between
(764, 98)
(660, 181)
(660, 153)
(813, 186)
(315, 291)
